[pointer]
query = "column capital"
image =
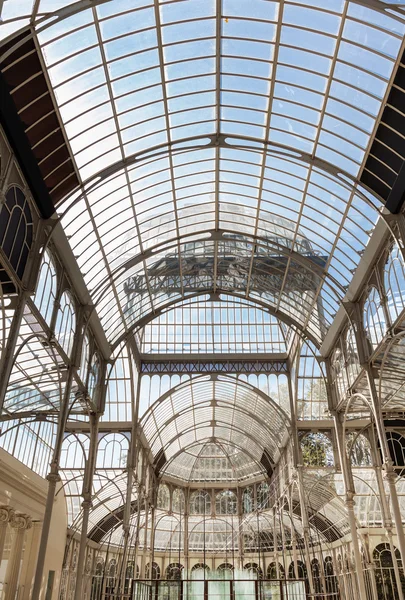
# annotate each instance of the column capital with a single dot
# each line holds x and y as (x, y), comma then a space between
(389, 473)
(350, 500)
(6, 514)
(53, 477)
(21, 522)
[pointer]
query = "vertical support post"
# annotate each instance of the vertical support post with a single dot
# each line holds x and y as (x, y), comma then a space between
(53, 476)
(305, 524)
(152, 533)
(240, 539)
(53, 479)
(138, 520)
(294, 552)
(349, 502)
(379, 422)
(87, 502)
(7, 358)
(28, 564)
(283, 540)
(19, 524)
(186, 526)
(301, 493)
(6, 515)
(145, 540)
(131, 462)
(135, 398)
(385, 511)
(275, 545)
(387, 463)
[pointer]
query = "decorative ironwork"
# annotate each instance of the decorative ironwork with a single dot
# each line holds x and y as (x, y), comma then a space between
(214, 365)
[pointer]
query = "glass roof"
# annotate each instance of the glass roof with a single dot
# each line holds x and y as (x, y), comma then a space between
(227, 326)
(38, 377)
(214, 461)
(220, 142)
(327, 518)
(197, 415)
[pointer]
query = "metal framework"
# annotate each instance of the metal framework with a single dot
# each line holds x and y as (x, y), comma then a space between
(161, 332)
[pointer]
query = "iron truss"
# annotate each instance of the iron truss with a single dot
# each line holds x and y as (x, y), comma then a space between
(216, 365)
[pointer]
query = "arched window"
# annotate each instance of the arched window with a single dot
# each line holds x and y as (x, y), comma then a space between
(112, 451)
(384, 572)
(297, 573)
(316, 576)
(272, 571)
(94, 374)
(199, 571)
(352, 357)
(154, 573)
(331, 582)
(178, 502)
(396, 446)
(394, 283)
(84, 359)
(73, 451)
(173, 571)
(226, 570)
(129, 571)
(339, 372)
(254, 570)
(111, 574)
(200, 503)
(65, 323)
(374, 320)
(263, 496)
(358, 449)
(46, 288)
(97, 581)
(247, 501)
(225, 503)
(129, 575)
(99, 566)
(317, 450)
(163, 497)
(16, 229)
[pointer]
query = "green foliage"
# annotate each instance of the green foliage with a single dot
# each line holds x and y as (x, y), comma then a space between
(316, 450)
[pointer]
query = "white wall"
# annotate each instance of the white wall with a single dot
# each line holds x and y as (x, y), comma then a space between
(25, 491)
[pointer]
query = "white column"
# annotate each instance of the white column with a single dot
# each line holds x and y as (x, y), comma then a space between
(19, 524)
(6, 515)
(29, 560)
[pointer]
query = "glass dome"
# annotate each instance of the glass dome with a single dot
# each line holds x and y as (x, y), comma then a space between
(208, 420)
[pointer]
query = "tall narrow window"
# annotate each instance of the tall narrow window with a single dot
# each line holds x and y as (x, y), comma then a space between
(339, 371)
(16, 229)
(374, 320)
(200, 503)
(84, 361)
(46, 287)
(163, 497)
(384, 572)
(352, 356)
(94, 374)
(394, 283)
(225, 503)
(247, 500)
(66, 323)
(263, 497)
